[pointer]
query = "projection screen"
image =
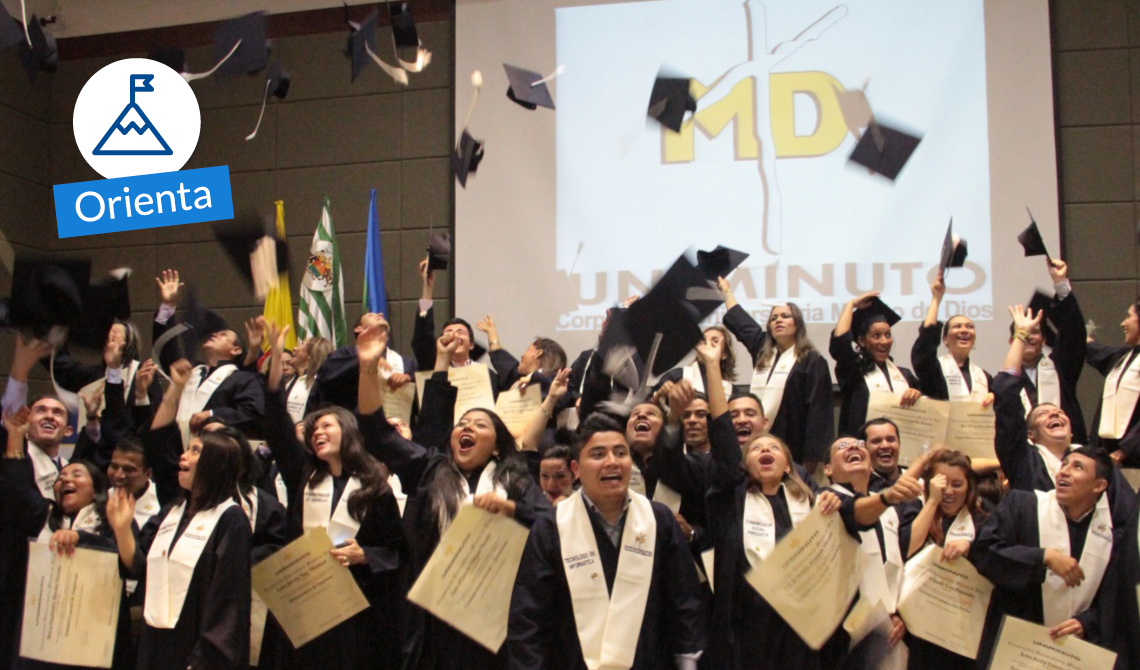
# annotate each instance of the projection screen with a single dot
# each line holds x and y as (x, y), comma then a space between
(575, 209)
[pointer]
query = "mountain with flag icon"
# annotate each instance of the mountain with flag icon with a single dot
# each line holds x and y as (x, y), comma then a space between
(132, 133)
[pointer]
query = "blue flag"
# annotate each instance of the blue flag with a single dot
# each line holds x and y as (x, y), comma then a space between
(375, 297)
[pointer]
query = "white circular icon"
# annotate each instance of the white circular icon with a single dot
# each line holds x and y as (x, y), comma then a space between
(136, 116)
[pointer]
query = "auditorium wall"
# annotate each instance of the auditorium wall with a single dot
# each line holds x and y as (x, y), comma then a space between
(330, 136)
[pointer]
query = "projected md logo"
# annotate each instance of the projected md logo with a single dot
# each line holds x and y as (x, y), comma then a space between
(739, 107)
(137, 122)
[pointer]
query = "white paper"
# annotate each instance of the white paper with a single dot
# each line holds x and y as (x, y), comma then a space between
(945, 603)
(1022, 645)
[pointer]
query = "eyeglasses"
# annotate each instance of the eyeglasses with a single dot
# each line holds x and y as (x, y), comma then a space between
(850, 444)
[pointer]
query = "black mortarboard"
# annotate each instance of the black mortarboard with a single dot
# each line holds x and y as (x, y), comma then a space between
(466, 157)
(669, 101)
(46, 293)
(279, 80)
(953, 250)
(719, 262)
(103, 302)
(240, 238)
(1031, 241)
(175, 59)
(202, 321)
(439, 251)
(404, 33)
(11, 32)
(41, 55)
(1040, 303)
(523, 91)
(362, 36)
(884, 150)
(252, 56)
(873, 313)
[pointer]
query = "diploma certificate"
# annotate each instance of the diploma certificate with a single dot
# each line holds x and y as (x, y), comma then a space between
(945, 603)
(469, 579)
(517, 409)
(307, 590)
(960, 424)
(474, 385)
(398, 403)
(1022, 645)
(811, 577)
(71, 608)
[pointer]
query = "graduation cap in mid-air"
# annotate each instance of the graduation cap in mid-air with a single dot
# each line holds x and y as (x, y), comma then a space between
(277, 82)
(876, 311)
(439, 251)
(11, 32)
(953, 250)
(1040, 303)
(720, 262)
(884, 150)
(1031, 240)
(247, 35)
(45, 294)
(528, 88)
(410, 53)
(466, 157)
(670, 99)
(41, 55)
(362, 47)
(104, 302)
(259, 257)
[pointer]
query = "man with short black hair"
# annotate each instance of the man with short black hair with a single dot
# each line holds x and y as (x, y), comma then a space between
(336, 381)
(607, 579)
(883, 444)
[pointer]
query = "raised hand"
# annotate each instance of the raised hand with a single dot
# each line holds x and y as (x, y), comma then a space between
(1058, 270)
(28, 352)
(937, 488)
(1024, 320)
(864, 300)
(92, 402)
(937, 288)
(144, 377)
(180, 372)
(169, 286)
(559, 385)
(120, 509)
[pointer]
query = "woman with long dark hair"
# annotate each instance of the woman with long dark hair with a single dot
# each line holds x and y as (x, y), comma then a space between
(949, 519)
(790, 376)
(194, 556)
(861, 347)
(475, 460)
(335, 484)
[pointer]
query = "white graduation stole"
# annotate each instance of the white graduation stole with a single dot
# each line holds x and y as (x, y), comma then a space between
(317, 509)
(877, 381)
(486, 484)
(398, 492)
(956, 385)
(86, 519)
(147, 505)
(45, 470)
(1121, 391)
(760, 523)
(298, 398)
(637, 481)
(1060, 602)
(962, 528)
(692, 373)
(168, 572)
(881, 576)
(768, 383)
(1048, 385)
(282, 490)
(1052, 463)
(197, 393)
(249, 506)
(128, 376)
(608, 626)
(258, 610)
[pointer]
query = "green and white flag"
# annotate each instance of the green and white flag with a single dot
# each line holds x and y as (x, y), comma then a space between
(321, 310)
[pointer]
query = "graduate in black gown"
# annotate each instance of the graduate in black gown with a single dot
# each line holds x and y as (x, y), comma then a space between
(628, 566)
(1125, 620)
(951, 376)
(542, 359)
(301, 371)
(335, 484)
(948, 519)
(1030, 449)
(194, 556)
(696, 374)
(1116, 424)
(755, 497)
(796, 392)
(336, 377)
(861, 348)
(475, 460)
(1050, 555)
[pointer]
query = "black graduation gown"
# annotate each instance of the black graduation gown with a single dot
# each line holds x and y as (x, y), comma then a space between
(269, 535)
(213, 628)
(688, 475)
(1068, 356)
(588, 376)
(853, 391)
(72, 375)
(924, 358)
(542, 632)
(1103, 358)
(371, 639)
(745, 632)
(1125, 621)
(336, 381)
(806, 419)
(114, 425)
(1008, 552)
(1020, 460)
